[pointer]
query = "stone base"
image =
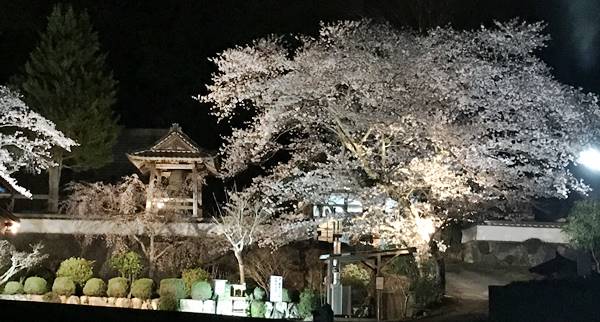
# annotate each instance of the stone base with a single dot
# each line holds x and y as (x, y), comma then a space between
(493, 253)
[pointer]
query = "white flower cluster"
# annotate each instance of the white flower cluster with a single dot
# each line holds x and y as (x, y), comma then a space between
(25, 139)
(443, 124)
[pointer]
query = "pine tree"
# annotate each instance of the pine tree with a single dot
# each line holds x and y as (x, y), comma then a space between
(66, 80)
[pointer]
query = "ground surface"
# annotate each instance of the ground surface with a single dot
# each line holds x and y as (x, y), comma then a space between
(467, 291)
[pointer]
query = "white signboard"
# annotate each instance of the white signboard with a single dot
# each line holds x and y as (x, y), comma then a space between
(276, 288)
(220, 287)
(379, 282)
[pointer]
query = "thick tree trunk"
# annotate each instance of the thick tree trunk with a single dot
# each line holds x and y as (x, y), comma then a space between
(151, 259)
(240, 261)
(54, 184)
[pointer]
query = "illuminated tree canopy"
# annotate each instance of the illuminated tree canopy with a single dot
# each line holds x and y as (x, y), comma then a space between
(422, 129)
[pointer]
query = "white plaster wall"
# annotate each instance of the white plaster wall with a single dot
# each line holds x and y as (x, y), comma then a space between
(513, 234)
(70, 226)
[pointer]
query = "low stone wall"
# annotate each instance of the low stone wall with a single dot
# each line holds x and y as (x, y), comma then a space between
(133, 303)
(528, 253)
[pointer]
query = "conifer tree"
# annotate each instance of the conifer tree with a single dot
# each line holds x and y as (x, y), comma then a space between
(66, 80)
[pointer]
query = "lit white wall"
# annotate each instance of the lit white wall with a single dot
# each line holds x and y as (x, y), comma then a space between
(513, 234)
(69, 226)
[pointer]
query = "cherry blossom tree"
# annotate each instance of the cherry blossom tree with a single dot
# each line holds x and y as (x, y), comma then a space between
(422, 129)
(240, 220)
(124, 203)
(26, 139)
(12, 261)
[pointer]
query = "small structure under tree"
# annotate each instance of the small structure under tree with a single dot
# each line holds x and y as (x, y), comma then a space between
(177, 167)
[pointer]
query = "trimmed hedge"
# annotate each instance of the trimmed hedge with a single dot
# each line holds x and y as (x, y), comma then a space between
(35, 285)
(285, 295)
(142, 288)
(117, 287)
(174, 286)
(51, 297)
(191, 276)
(12, 288)
(202, 291)
(309, 301)
(259, 293)
(94, 287)
(258, 309)
(78, 269)
(168, 302)
(63, 286)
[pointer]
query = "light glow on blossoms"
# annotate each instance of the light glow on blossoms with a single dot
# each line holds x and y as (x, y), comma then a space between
(425, 228)
(590, 158)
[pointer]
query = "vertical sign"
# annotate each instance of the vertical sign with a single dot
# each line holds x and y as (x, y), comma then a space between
(220, 287)
(276, 288)
(379, 283)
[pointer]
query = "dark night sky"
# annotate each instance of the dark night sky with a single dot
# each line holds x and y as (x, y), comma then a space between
(159, 49)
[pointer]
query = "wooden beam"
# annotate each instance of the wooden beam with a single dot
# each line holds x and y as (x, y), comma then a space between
(150, 190)
(195, 190)
(369, 265)
(175, 166)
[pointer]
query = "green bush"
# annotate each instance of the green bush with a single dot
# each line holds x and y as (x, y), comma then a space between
(285, 295)
(142, 288)
(168, 302)
(174, 286)
(257, 309)
(35, 285)
(94, 287)
(191, 276)
(129, 264)
(309, 301)
(78, 269)
(202, 291)
(259, 293)
(51, 297)
(355, 276)
(426, 291)
(117, 287)
(404, 266)
(13, 287)
(63, 286)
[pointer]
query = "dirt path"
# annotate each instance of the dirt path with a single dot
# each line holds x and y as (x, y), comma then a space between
(467, 291)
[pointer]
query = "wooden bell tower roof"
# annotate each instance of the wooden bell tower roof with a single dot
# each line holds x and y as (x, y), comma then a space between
(173, 148)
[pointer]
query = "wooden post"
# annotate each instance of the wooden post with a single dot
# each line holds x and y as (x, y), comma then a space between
(150, 190)
(195, 190)
(378, 292)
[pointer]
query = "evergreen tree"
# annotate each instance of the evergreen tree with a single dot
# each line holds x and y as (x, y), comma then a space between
(66, 80)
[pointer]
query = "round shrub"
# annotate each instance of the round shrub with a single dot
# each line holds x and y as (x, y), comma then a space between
(35, 285)
(355, 276)
(259, 293)
(309, 301)
(257, 309)
(94, 287)
(78, 269)
(142, 288)
(13, 287)
(191, 276)
(202, 291)
(63, 286)
(51, 297)
(128, 264)
(168, 302)
(174, 286)
(117, 287)
(285, 295)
